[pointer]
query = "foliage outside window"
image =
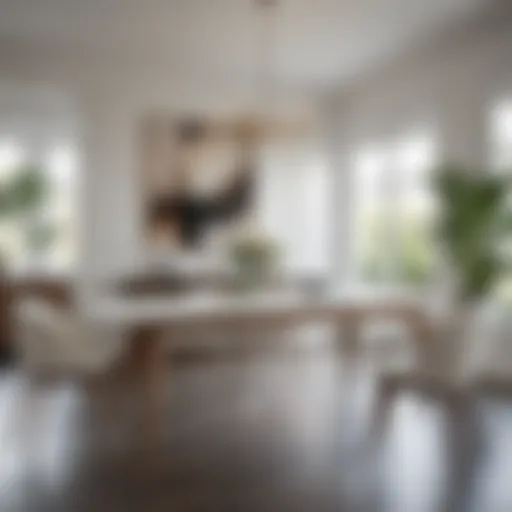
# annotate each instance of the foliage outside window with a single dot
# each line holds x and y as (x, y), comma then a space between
(36, 208)
(395, 213)
(501, 160)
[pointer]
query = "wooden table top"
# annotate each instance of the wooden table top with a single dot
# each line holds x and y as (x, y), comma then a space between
(208, 308)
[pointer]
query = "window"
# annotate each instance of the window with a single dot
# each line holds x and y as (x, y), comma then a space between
(395, 211)
(372, 220)
(61, 165)
(501, 135)
(293, 206)
(44, 239)
(12, 155)
(501, 158)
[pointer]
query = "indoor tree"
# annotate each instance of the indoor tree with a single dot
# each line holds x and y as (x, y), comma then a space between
(23, 192)
(474, 227)
(22, 195)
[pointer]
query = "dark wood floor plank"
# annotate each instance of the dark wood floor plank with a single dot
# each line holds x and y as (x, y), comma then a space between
(281, 432)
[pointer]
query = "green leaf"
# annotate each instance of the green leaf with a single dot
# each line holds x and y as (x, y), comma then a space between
(473, 223)
(25, 192)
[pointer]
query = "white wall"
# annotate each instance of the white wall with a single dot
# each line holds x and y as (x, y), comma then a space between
(294, 207)
(448, 87)
(108, 103)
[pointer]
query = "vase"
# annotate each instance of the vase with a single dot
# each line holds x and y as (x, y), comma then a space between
(460, 338)
(251, 276)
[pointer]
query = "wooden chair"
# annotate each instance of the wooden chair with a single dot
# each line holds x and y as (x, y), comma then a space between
(455, 374)
(55, 341)
(492, 377)
(54, 346)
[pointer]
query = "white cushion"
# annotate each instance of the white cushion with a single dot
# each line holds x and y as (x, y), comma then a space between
(52, 337)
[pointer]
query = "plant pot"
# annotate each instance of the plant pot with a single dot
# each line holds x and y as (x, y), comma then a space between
(251, 276)
(462, 338)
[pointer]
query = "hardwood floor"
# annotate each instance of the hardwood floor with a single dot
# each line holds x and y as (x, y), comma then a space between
(269, 432)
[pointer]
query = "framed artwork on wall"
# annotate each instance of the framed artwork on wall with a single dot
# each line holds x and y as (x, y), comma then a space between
(194, 178)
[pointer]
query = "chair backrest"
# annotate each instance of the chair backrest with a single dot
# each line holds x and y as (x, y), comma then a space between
(50, 336)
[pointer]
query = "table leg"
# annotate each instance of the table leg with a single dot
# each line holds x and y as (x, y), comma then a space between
(149, 355)
(422, 335)
(348, 329)
(156, 376)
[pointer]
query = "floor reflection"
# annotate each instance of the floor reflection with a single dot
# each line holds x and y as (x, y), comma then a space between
(271, 432)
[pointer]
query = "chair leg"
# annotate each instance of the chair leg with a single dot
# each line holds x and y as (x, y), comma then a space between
(391, 385)
(156, 384)
(464, 442)
(31, 420)
(387, 390)
(98, 389)
(347, 336)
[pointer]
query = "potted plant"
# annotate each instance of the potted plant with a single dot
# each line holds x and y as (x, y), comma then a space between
(253, 258)
(22, 194)
(473, 226)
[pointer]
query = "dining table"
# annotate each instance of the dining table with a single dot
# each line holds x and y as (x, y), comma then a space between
(152, 323)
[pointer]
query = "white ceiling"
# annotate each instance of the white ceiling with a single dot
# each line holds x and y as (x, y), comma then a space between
(319, 41)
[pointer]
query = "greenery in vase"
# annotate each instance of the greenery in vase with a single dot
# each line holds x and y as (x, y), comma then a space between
(253, 258)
